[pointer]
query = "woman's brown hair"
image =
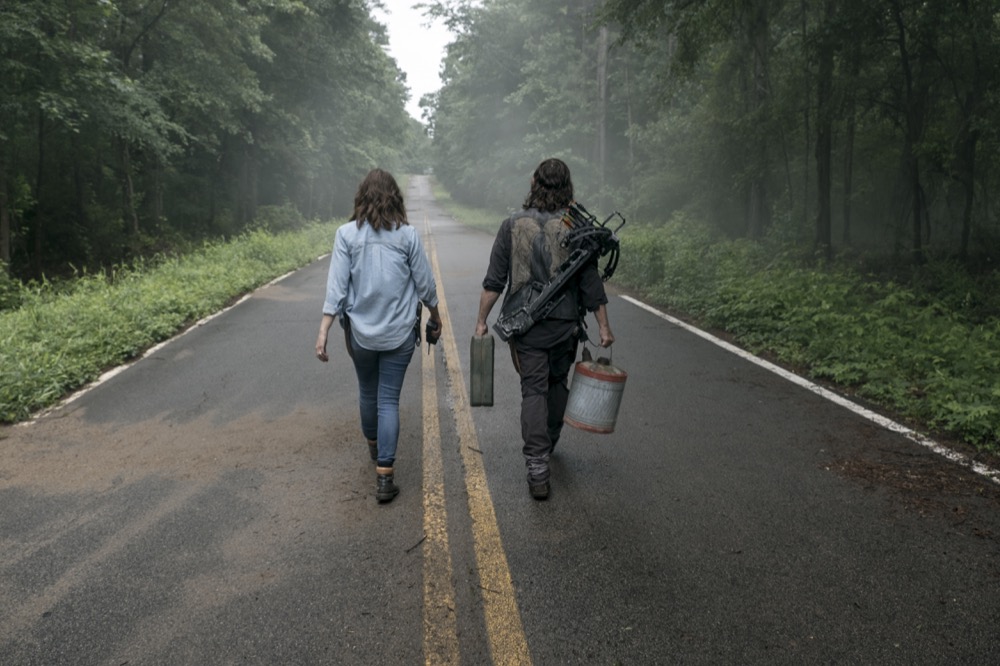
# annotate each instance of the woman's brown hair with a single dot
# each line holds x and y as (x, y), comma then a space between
(379, 202)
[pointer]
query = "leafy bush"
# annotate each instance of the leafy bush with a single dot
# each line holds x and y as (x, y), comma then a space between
(278, 218)
(62, 338)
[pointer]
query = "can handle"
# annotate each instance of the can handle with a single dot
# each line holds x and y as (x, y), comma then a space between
(587, 357)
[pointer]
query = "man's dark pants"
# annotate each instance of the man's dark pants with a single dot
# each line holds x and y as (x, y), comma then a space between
(544, 392)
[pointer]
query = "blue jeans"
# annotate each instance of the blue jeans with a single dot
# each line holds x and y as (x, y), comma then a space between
(380, 380)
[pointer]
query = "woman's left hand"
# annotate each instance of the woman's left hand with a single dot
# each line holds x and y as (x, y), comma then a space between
(324, 333)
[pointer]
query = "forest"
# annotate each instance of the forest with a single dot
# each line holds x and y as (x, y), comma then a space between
(833, 124)
(131, 127)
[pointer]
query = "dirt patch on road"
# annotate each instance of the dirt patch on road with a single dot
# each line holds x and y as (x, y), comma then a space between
(930, 486)
(68, 454)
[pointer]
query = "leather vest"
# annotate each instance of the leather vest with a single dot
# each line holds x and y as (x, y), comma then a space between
(536, 254)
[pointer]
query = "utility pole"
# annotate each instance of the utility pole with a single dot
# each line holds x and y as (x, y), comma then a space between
(602, 110)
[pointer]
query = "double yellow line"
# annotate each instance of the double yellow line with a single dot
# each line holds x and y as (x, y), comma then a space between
(508, 644)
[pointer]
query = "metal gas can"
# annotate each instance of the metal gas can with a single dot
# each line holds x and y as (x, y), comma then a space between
(481, 371)
(595, 395)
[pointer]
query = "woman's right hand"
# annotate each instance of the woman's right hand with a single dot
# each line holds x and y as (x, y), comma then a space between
(432, 332)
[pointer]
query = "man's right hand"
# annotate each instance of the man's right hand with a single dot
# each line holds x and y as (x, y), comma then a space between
(604, 326)
(481, 329)
(607, 337)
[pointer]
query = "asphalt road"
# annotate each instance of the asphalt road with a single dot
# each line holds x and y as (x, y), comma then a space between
(214, 504)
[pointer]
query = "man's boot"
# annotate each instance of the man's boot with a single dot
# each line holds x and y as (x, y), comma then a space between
(538, 477)
(538, 489)
(385, 489)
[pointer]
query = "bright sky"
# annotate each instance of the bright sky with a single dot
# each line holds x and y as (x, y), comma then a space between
(417, 47)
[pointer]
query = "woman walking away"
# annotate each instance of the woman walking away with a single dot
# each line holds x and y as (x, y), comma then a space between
(379, 274)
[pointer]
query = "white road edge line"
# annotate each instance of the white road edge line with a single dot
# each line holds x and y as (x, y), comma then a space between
(950, 454)
(149, 352)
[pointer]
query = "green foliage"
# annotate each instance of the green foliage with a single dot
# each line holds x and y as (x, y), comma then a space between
(132, 126)
(11, 291)
(278, 218)
(927, 349)
(63, 337)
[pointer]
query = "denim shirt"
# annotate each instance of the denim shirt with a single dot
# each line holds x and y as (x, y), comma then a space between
(376, 279)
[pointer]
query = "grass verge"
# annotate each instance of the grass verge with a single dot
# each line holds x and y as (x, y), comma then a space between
(61, 338)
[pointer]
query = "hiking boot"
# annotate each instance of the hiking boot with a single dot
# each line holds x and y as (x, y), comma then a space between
(385, 489)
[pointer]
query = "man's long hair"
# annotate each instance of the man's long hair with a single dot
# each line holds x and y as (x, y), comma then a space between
(379, 202)
(551, 186)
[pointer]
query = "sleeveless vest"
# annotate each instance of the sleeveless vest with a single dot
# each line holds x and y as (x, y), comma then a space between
(536, 254)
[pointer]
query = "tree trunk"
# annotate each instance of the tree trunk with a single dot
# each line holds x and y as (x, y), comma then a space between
(914, 117)
(4, 219)
(79, 186)
(311, 198)
(128, 191)
(968, 139)
(602, 113)
(849, 174)
(807, 96)
(157, 188)
(213, 185)
(967, 160)
(916, 204)
(850, 114)
(247, 197)
(36, 258)
(824, 141)
(629, 121)
(757, 213)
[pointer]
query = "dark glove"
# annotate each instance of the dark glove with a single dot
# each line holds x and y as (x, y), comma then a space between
(416, 324)
(432, 331)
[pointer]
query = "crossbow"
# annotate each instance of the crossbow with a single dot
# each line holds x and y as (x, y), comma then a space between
(589, 240)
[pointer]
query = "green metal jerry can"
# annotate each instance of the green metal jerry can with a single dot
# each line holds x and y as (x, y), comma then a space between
(481, 371)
